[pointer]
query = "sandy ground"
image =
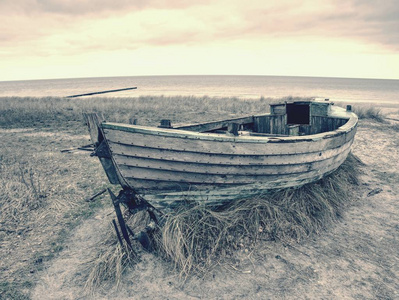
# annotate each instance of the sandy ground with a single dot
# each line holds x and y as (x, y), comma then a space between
(357, 258)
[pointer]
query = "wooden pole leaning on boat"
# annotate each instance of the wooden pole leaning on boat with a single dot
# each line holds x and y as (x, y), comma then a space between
(102, 92)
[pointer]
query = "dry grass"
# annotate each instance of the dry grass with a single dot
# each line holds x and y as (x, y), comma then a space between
(110, 259)
(195, 237)
(148, 110)
(369, 112)
(21, 194)
(108, 264)
(41, 201)
(395, 127)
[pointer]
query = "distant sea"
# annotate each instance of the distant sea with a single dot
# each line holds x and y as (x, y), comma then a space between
(374, 91)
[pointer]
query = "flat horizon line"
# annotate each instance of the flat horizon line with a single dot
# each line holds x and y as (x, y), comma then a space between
(203, 75)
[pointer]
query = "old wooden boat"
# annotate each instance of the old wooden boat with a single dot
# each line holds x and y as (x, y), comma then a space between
(296, 143)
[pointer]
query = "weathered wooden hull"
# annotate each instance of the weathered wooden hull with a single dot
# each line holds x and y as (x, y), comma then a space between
(169, 165)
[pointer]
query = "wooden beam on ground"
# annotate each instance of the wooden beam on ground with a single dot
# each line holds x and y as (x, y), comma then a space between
(96, 195)
(102, 92)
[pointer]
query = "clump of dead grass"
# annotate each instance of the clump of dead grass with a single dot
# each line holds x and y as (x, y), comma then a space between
(109, 263)
(195, 236)
(369, 112)
(110, 259)
(22, 193)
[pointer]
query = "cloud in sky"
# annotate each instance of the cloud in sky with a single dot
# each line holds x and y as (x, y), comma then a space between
(35, 29)
(87, 7)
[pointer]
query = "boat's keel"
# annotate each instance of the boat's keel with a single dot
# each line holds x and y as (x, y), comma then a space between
(134, 204)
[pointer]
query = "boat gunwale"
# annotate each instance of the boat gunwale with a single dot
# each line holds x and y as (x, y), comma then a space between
(185, 134)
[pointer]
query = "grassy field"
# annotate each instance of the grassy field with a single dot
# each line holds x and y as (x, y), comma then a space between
(44, 188)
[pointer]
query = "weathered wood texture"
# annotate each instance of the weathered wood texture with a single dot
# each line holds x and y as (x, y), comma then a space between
(321, 124)
(274, 124)
(210, 126)
(93, 121)
(320, 109)
(176, 156)
(278, 109)
(319, 121)
(293, 130)
(216, 194)
(196, 174)
(217, 169)
(217, 143)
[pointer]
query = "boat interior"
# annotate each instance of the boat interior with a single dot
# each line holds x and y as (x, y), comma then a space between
(285, 119)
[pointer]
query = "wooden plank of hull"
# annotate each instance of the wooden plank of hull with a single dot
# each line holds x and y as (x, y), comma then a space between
(217, 143)
(252, 168)
(152, 178)
(221, 158)
(219, 195)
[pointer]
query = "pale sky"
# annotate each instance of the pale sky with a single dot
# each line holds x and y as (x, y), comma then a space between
(41, 39)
